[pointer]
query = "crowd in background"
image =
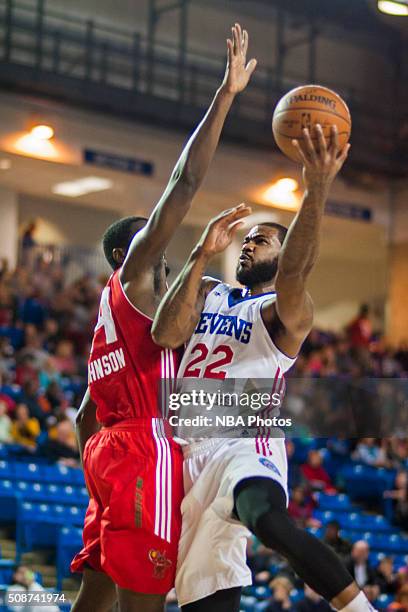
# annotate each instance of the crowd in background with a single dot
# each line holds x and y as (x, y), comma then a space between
(46, 326)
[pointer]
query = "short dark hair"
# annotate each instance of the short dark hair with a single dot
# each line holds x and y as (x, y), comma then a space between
(333, 523)
(119, 235)
(282, 230)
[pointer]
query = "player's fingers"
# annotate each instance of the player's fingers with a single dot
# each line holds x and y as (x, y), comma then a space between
(334, 141)
(298, 148)
(307, 146)
(239, 37)
(321, 141)
(234, 227)
(245, 41)
(344, 154)
(235, 40)
(235, 215)
(230, 50)
(251, 65)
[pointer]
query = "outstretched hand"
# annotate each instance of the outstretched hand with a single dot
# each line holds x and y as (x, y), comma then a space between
(321, 161)
(238, 71)
(221, 230)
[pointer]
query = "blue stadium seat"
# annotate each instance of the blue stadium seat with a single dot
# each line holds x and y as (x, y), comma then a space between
(6, 469)
(365, 482)
(38, 524)
(28, 471)
(248, 603)
(335, 503)
(316, 531)
(69, 542)
(8, 501)
(262, 592)
(261, 606)
(296, 595)
(383, 602)
(61, 474)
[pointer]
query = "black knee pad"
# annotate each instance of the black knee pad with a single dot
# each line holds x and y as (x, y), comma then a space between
(255, 497)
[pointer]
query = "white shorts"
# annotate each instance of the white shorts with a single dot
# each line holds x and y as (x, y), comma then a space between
(212, 549)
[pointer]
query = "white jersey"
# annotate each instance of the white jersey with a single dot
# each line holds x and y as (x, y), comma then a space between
(231, 344)
(231, 340)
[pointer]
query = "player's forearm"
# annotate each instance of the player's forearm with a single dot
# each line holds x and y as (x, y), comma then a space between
(180, 309)
(301, 246)
(86, 422)
(199, 151)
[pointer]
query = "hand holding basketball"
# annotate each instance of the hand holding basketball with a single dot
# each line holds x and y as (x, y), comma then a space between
(306, 107)
(321, 161)
(238, 71)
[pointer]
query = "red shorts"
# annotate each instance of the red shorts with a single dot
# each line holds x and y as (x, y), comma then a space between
(132, 526)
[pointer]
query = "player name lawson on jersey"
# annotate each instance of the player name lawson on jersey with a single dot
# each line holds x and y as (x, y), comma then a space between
(227, 325)
(105, 365)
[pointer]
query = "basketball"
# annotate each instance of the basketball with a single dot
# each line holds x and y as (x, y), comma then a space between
(304, 107)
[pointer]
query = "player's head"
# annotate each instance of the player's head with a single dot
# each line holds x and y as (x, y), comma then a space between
(117, 238)
(258, 261)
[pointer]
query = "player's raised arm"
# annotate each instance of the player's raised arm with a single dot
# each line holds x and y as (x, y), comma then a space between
(294, 306)
(180, 309)
(149, 244)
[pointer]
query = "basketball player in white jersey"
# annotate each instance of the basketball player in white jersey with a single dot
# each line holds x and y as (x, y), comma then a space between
(233, 485)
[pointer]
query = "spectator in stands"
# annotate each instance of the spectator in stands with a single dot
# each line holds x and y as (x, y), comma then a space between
(368, 451)
(400, 497)
(55, 397)
(301, 506)
(295, 476)
(333, 539)
(312, 602)
(5, 424)
(25, 429)
(49, 373)
(32, 308)
(65, 358)
(387, 578)
(23, 581)
(28, 241)
(36, 402)
(280, 600)
(360, 329)
(401, 601)
(62, 445)
(362, 571)
(8, 306)
(315, 474)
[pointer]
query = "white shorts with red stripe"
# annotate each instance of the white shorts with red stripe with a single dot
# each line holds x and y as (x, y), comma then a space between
(212, 549)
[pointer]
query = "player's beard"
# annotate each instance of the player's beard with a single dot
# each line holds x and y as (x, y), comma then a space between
(262, 272)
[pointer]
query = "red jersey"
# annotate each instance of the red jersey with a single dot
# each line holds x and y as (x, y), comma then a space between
(128, 374)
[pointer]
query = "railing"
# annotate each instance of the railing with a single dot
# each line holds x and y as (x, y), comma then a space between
(48, 42)
(76, 262)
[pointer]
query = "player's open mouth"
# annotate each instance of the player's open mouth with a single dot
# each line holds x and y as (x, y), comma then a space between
(244, 258)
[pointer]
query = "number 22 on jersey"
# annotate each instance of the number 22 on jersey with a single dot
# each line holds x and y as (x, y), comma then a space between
(221, 356)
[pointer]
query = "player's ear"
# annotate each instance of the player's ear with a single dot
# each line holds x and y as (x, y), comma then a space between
(119, 255)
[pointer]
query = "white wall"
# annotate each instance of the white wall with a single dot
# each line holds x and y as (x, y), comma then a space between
(8, 225)
(62, 224)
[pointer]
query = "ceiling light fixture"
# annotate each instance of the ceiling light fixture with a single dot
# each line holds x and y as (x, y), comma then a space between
(282, 194)
(89, 184)
(397, 8)
(42, 132)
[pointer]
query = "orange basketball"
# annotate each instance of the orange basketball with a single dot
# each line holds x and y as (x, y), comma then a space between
(305, 106)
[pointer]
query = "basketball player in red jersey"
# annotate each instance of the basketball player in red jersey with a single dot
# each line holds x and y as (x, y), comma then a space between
(133, 470)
